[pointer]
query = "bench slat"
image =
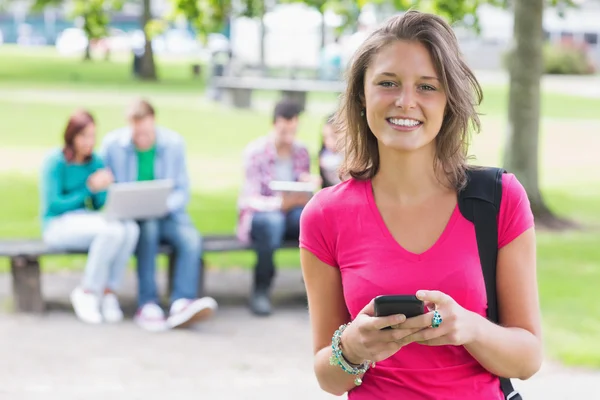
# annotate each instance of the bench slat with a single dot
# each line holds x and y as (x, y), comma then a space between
(36, 247)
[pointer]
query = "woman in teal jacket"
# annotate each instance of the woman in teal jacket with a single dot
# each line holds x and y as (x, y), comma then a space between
(73, 189)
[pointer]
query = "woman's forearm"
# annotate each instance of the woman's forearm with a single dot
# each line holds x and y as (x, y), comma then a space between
(506, 352)
(332, 378)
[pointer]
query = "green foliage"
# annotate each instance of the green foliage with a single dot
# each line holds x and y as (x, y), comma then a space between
(250, 8)
(206, 16)
(155, 27)
(454, 11)
(95, 13)
(320, 5)
(561, 59)
(566, 58)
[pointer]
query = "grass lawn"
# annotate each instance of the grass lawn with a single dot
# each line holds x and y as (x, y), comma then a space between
(38, 91)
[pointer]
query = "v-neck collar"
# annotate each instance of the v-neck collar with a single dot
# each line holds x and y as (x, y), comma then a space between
(368, 187)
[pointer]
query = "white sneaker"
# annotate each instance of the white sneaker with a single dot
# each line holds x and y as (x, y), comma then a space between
(86, 306)
(111, 310)
(187, 312)
(151, 318)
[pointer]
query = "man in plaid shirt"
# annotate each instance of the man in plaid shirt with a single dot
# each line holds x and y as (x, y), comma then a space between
(266, 218)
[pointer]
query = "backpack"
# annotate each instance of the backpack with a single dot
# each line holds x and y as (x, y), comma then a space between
(479, 202)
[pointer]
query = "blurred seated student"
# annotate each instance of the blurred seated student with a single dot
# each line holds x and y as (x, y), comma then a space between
(144, 150)
(330, 155)
(267, 217)
(73, 189)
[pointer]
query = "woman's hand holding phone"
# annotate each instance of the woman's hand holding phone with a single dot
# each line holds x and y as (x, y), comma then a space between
(458, 326)
(366, 339)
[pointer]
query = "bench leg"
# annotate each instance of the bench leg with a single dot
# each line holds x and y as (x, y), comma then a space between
(27, 288)
(238, 98)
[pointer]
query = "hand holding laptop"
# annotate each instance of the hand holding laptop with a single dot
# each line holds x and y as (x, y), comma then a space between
(100, 180)
(294, 199)
(313, 179)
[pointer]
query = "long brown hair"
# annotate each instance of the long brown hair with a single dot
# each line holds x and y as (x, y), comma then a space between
(78, 121)
(462, 90)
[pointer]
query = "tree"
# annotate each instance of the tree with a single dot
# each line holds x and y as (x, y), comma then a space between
(94, 13)
(208, 16)
(525, 70)
(147, 65)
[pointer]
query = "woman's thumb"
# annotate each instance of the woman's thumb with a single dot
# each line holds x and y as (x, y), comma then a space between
(369, 309)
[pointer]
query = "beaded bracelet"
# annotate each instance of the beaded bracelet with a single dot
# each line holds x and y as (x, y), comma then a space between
(337, 357)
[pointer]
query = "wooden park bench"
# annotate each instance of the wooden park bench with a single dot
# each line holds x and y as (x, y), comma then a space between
(26, 272)
(237, 91)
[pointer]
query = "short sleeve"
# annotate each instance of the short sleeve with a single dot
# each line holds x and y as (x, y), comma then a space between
(316, 234)
(515, 211)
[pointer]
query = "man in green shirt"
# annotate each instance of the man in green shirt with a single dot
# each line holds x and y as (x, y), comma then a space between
(144, 151)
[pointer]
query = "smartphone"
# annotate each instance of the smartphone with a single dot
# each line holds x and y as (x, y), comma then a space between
(408, 305)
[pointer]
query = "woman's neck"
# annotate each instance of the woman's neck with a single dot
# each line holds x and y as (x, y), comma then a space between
(79, 158)
(408, 177)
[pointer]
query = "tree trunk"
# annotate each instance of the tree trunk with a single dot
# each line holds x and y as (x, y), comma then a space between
(526, 68)
(147, 67)
(87, 55)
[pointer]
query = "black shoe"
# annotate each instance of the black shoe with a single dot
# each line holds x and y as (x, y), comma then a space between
(260, 303)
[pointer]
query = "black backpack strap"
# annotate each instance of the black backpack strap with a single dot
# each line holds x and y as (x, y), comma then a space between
(479, 202)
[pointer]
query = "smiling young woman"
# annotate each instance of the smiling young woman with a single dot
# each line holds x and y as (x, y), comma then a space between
(395, 227)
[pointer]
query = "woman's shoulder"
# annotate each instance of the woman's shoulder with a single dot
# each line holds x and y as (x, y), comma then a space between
(512, 188)
(340, 198)
(342, 194)
(54, 157)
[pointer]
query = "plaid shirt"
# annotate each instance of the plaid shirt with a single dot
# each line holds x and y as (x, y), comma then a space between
(260, 158)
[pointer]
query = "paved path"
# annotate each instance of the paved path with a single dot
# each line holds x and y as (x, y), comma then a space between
(236, 356)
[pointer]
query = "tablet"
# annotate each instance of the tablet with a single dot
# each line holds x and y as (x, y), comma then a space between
(138, 200)
(289, 186)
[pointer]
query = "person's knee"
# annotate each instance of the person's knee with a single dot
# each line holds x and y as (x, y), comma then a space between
(188, 239)
(132, 231)
(113, 231)
(149, 231)
(268, 227)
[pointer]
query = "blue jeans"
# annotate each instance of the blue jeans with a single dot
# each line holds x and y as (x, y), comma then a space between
(187, 243)
(268, 231)
(109, 245)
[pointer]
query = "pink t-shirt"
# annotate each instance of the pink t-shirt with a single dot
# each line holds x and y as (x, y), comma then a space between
(342, 226)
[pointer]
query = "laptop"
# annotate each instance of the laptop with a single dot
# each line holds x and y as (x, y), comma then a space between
(138, 200)
(291, 186)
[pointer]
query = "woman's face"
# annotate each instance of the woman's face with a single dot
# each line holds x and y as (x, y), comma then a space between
(330, 137)
(404, 99)
(85, 141)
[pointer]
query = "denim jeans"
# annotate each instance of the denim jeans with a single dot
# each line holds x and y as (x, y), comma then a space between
(187, 243)
(110, 245)
(268, 231)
